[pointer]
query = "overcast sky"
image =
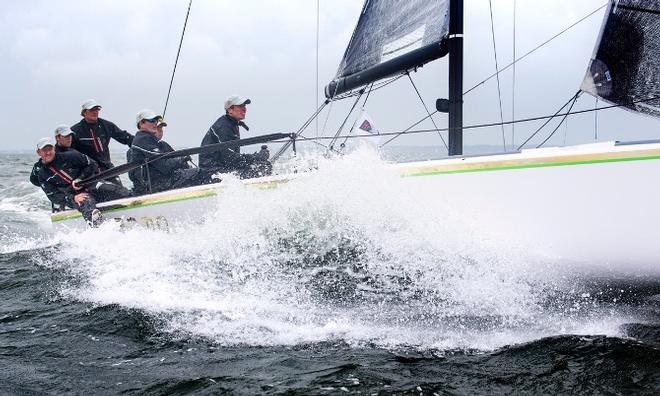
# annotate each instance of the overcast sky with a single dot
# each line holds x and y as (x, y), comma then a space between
(55, 54)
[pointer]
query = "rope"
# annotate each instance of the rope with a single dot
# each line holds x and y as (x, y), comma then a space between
(169, 90)
(478, 126)
(575, 98)
(513, 81)
(332, 102)
(499, 91)
(549, 119)
(377, 86)
(516, 60)
(318, 5)
(427, 111)
(596, 120)
(565, 132)
(298, 132)
(341, 127)
(407, 130)
(357, 117)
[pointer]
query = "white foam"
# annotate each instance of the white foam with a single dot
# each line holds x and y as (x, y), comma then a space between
(418, 274)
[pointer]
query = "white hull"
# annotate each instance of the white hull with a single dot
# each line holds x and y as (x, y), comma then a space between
(594, 202)
(604, 213)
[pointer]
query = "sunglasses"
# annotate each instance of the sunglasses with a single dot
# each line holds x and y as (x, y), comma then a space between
(155, 119)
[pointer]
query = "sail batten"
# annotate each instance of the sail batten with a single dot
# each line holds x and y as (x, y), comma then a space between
(625, 67)
(392, 36)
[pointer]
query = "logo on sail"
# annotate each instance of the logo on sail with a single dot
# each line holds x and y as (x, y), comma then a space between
(366, 124)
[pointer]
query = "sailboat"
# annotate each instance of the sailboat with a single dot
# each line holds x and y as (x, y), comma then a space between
(593, 201)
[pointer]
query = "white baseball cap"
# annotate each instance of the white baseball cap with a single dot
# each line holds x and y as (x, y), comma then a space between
(90, 104)
(43, 142)
(63, 130)
(236, 101)
(146, 114)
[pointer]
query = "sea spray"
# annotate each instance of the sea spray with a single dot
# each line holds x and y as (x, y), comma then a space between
(335, 254)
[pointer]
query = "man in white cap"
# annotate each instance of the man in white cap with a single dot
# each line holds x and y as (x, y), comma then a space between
(163, 174)
(63, 139)
(93, 134)
(58, 175)
(226, 128)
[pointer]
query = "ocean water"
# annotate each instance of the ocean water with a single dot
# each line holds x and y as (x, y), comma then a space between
(339, 283)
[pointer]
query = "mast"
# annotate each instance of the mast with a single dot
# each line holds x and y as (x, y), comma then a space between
(456, 77)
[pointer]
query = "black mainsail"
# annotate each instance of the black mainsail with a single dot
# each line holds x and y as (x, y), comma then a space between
(625, 69)
(392, 36)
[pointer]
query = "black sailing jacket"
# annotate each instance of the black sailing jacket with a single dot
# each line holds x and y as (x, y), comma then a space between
(93, 140)
(223, 129)
(55, 178)
(34, 175)
(161, 172)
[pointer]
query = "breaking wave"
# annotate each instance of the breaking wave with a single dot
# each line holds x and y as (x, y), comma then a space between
(333, 255)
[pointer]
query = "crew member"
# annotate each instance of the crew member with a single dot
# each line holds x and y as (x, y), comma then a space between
(93, 134)
(63, 139)
(59, 175)
(226, 128)
(163, 174)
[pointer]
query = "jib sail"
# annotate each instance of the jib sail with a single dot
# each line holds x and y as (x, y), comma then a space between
(625, 69)
(392, 36)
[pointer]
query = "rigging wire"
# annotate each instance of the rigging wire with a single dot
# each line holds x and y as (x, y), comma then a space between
(178, 52)
(534, 49)
(341, 127)
(377, 86)
(516, 60)
(357, 117)
(427, 110)
(397, 134)
(513, 82)
(409, 129)
(299, 132)
(575, 98)
(565, 132)
(327, 116)
(496, 124)
(317, 61)
(499, 91)
(596, 120)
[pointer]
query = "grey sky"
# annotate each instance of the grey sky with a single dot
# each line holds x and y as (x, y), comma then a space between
(55, 54)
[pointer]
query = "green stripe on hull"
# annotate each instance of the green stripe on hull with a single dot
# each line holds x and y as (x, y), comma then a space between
(77, 215)
(478, 167)
(529, 166)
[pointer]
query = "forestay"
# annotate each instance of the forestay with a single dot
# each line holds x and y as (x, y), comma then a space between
(392, 36)
(625, 69)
